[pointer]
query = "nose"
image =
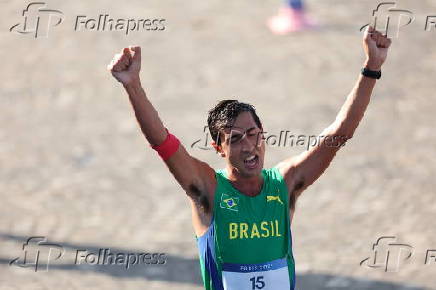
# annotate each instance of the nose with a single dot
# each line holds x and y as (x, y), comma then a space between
(247, 146)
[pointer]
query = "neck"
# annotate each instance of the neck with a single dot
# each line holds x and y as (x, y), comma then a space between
(250, 186)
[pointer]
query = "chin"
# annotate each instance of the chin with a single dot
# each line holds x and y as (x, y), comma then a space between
(253, 172)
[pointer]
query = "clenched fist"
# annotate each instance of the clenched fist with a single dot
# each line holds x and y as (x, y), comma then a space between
(125, 66)
(376, 48)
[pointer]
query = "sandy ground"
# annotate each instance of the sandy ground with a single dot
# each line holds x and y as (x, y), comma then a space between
(76, 169)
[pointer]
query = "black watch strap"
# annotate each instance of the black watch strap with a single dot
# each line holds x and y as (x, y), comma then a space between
(371, 73)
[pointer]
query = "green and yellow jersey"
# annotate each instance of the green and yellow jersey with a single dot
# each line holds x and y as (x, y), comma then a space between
(248, 244)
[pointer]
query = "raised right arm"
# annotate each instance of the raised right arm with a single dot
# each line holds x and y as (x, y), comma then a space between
(194, 176)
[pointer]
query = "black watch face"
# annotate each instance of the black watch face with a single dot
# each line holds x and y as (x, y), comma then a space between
(371, 74)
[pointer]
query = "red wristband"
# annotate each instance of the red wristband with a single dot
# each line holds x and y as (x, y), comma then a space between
(168, 147)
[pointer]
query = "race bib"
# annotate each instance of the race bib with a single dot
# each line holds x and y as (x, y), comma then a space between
(271, 275)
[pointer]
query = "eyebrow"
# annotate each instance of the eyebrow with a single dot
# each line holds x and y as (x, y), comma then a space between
(252, 128)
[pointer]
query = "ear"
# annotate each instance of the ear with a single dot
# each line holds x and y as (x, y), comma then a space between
(218, 149)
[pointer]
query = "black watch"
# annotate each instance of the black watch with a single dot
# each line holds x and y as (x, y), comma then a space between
(371, 73)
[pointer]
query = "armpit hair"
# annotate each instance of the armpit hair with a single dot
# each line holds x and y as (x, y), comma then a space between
(199, 197)
(293, 196)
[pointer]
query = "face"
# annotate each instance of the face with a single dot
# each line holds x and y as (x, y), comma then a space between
(240, 143)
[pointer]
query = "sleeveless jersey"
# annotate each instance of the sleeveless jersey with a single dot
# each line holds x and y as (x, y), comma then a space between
(248, 244)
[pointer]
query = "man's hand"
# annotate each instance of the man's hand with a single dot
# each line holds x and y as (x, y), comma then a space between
(125, 66)
(376, 48)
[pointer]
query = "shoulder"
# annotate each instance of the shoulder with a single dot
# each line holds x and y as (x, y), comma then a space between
(275, 177)
(287, 167)
(274, 173)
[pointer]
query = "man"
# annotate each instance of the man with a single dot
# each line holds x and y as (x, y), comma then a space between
(242, 214)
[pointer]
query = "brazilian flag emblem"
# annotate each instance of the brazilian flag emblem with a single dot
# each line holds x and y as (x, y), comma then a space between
(229, 202)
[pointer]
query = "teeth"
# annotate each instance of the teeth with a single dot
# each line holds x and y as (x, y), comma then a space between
(250, 158)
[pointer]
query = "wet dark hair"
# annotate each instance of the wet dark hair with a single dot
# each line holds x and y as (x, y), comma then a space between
(224, 114)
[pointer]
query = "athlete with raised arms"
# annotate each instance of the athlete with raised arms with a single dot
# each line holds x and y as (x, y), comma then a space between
(242, 214)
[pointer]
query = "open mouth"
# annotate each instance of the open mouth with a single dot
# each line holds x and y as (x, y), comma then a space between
(252, 161)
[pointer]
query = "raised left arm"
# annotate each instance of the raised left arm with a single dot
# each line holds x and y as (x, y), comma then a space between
(302, 170)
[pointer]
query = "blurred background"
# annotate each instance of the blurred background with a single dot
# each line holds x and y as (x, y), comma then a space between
(76, 170)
